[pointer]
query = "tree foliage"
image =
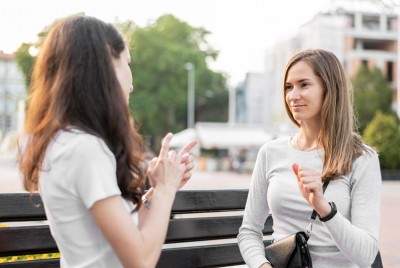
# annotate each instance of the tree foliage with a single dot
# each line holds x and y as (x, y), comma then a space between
(23, 56)
(25, 61)
(159, 53)
(383, 132)
(372, 93)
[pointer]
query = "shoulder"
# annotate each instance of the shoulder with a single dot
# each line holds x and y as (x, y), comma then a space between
(272, 148)
(367, 164)
(74, 142)
(278, 144)
(368, 155)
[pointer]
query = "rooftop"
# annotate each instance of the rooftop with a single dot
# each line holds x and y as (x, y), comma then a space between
(5, 56)
(388, 7)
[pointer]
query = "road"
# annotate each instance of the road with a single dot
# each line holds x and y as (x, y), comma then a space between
(390, 216)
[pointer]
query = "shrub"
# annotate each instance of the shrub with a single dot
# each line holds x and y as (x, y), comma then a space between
(383, 133)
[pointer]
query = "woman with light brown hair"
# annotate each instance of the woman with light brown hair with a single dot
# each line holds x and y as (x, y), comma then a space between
(85, 157)
(288, 177)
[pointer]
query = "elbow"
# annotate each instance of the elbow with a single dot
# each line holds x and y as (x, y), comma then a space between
(151, 262)
(143, 263)
(372, 259)
(369, 259)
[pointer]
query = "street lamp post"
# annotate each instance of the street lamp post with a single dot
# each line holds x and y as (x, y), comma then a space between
(191, 99)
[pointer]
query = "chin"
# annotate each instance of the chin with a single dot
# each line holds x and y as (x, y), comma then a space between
(297, 117)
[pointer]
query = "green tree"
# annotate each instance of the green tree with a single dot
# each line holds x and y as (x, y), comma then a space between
(24, 58)
(159, 53)
(383, 132)
(372, 93)
(25, 61)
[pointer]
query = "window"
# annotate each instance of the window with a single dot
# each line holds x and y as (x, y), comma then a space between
(370, 22)
(391, 24)
(351, 20)
(389, 71)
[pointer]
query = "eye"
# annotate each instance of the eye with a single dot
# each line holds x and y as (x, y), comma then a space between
(288, 87)
(305, 84)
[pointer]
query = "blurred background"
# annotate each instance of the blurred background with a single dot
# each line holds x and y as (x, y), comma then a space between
(212, 71)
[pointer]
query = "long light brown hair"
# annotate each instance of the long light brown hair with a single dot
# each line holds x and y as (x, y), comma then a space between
(74, 83)
(341, 143)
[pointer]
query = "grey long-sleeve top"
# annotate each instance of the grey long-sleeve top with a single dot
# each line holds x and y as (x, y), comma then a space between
(349, 239)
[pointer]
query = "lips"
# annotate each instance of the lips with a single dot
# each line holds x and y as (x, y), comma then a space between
(297, 107)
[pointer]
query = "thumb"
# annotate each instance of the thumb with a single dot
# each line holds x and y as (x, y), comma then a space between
(295, 168)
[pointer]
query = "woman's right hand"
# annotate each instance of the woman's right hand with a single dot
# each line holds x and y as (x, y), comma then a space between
(167, 169)
(266, 265)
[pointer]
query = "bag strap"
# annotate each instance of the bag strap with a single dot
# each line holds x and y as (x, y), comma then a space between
(314, 213)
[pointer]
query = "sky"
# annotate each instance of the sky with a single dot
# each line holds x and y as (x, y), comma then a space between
(241, 30)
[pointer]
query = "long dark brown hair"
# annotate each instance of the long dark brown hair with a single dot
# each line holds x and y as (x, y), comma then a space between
(74, 84)
(341, 143)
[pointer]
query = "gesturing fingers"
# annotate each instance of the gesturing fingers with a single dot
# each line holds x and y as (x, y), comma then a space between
(187, 147)
(165, 145)
(308, 179)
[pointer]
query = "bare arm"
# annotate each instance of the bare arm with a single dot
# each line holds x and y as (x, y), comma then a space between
(140, 246)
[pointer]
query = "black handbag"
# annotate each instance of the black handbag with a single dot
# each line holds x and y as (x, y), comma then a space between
(292, 251)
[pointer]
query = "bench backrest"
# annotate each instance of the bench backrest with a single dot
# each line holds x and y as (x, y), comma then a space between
(210, 216)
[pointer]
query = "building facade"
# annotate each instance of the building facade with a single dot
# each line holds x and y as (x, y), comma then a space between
(359, 32)
(251, 96)
(12, 91)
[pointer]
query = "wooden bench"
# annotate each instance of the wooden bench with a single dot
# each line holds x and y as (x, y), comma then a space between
(202, 230)
(201, 233)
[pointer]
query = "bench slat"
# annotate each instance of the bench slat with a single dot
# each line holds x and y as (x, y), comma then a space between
(195, 229)
(26, 240)
(50, 263)
(25, 207)
(21, 207)
(217, 256)
(209, 200)
(38, 239)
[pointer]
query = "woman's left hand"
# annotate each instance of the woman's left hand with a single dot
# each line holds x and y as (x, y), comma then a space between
(188, 160)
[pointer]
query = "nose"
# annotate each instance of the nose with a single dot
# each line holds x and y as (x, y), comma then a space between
(131, 89)
(294, 94)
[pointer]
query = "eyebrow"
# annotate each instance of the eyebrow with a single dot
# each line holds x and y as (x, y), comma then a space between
(300, 81)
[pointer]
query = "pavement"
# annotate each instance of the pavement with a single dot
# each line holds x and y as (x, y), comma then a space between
(389, 242)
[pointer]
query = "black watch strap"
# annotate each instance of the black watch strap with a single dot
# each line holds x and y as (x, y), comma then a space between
(331, 214)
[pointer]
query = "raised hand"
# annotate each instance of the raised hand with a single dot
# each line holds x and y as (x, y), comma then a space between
(167, 169)
(310, 184)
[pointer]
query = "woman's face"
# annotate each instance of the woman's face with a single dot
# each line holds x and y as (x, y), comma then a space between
(123, 72)
(304, 93)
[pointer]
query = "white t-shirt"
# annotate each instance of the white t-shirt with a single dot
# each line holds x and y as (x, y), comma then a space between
(78, 170)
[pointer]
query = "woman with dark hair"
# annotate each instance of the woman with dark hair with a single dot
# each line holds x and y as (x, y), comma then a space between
(290, 172)
(84, 156)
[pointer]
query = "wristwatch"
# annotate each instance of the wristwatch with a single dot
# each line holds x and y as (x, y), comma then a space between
(331, 214)
(146, 202)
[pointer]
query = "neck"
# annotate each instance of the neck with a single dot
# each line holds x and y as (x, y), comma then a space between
(307, 138)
